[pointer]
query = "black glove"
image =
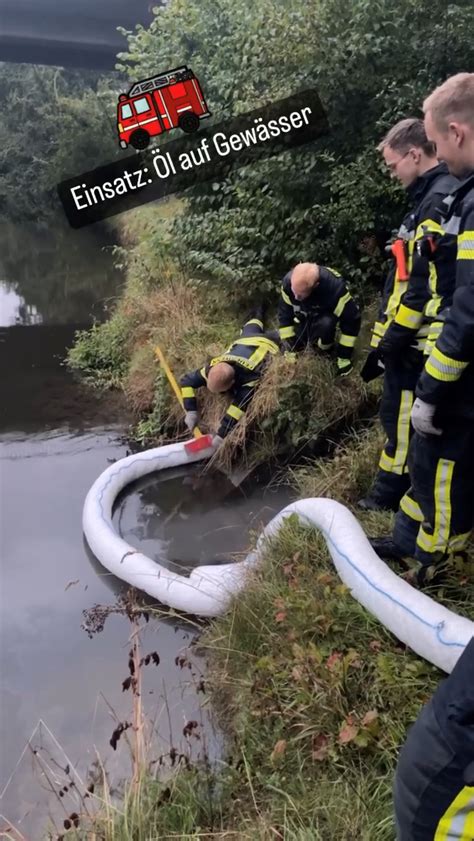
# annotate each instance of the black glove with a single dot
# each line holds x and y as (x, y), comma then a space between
(373, 367)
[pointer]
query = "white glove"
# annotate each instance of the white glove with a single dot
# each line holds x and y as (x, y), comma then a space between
(217, 441)
(422, 418)
(191, 420)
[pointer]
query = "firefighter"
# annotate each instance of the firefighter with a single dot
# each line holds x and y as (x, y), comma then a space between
(313, 301)
(434, 782)
(237, 370)
(416, 294)
(435, 517)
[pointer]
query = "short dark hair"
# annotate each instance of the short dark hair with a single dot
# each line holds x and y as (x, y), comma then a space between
(405, 134)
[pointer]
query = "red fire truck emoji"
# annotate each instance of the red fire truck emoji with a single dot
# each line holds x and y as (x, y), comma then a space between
(169, 100)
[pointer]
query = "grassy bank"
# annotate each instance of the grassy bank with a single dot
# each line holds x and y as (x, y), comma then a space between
(192, 322)
(315, 695)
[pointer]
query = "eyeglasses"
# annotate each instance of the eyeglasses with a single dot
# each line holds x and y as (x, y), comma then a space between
(392, 167)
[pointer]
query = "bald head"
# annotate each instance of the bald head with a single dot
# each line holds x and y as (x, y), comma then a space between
(220, 378)
(304, 278)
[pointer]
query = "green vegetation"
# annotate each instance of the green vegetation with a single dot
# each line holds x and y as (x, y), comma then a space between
(315, 695)
(55, 124)
(222, 244)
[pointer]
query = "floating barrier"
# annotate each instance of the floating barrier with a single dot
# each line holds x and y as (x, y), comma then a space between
(428, 628)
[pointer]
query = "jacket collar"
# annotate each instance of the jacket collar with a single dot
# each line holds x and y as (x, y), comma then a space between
(419, 187)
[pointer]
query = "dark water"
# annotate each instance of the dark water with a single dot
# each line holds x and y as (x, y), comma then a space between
(61, 692)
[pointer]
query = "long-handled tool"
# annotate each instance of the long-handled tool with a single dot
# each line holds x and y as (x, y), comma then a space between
(201, 441)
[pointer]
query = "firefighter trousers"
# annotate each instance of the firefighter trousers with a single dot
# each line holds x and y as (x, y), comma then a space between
(400, 378)
(320, 331)
(434, 782)
(436, 514)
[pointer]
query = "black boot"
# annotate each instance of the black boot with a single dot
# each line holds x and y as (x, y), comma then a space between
(370, 503)
(387, 549)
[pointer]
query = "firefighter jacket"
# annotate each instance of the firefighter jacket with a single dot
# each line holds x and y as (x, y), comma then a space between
(447, 380)
(411, 309)
(248, 356)
(434, 782)
(329, 297)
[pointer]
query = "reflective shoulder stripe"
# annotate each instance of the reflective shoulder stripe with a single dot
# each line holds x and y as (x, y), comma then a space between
(338, 274)
(466, 245)
(443, 367)
(286, 332)
(341, 304)
(285, 297)
(234, 412)
(258, 342)
(428, 226)
(187, 391)
(203, 373)
(347, 341)
(407, 317)
(457, 823)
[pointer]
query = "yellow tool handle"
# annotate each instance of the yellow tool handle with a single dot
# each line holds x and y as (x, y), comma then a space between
(174, 385)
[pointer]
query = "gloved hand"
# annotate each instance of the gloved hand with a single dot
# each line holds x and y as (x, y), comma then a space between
(191, 420)
(373, 367)
(422, 418)
(217, 442)
(344, 367)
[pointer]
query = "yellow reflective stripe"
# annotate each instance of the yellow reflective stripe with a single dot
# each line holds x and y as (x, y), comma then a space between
(457, 823)
(393, 302)
(285, 297)
(411, 508)
(386, 462)
(379, 328)
(187, 391)
(234, 412)
(443, 367)
(375, 341)
(458, 542)
(341, 304)
(255, 321)
(403, 431)
(286, 332)
(258, 341)
(258, 356)
(466, 245)
(428, 226)
(437, 542)
(408, 317)
(346, 341)
(338, 274)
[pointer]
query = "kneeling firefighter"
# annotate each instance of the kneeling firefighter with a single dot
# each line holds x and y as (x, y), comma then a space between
(313, 301)
(237, 370)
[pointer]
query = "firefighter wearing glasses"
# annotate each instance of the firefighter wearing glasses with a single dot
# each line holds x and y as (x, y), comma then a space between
(417, 292)
(436, 515)
(313, 301)
(237, 370)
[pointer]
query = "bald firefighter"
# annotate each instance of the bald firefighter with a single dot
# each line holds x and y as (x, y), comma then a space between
(417, 292)
(238, 371)
(314, 300)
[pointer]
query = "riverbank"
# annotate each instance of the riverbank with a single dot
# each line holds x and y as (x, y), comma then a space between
(193, 321)
(314, 694)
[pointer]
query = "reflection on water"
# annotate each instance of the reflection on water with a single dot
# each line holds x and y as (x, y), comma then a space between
(55, 275)
(57, 437)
